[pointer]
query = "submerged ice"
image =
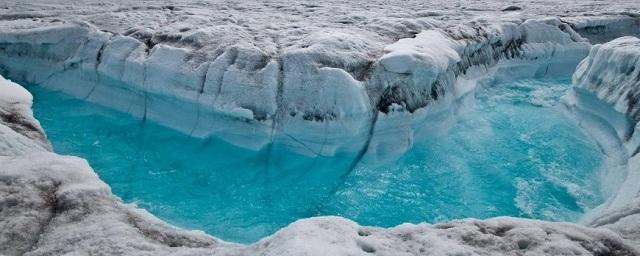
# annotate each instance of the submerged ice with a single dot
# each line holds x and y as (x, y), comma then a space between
(511, 151)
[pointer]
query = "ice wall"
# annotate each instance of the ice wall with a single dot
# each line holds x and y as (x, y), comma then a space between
(330, 91)
(612, 73)
(606, 97)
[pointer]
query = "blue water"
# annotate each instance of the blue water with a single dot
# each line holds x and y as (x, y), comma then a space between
(514, 152)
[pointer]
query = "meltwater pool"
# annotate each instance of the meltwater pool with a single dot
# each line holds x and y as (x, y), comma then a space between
(514, 152)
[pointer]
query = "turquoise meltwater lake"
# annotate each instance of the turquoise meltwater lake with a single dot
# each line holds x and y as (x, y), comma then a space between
(513, 152)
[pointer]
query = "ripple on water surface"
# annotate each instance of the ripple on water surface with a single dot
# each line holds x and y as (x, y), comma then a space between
(514, 152)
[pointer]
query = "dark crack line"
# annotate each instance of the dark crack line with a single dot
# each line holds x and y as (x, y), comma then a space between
(144, 90)
(52, 200)
(124, 62)
(324, 143)
(90, 92)
(274, 125)
(221, 80)
(279, 104)
(100, 55)
(343, 178)
(200, 92)
(362, 151)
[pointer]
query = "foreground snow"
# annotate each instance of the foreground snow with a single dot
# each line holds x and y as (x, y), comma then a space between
(286, 83)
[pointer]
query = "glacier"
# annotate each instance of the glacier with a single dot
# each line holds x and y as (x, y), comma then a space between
(341, 87)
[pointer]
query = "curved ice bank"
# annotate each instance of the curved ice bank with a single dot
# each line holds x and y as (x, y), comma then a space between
(606, 98)
(326, 92)
(54, 205)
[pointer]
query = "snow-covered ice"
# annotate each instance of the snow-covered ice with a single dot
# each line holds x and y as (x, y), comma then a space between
(320, 77)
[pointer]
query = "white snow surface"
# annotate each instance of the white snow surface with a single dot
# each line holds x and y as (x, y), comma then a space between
(322, 77)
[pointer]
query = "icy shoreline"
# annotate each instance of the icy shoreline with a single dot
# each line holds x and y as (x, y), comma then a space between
(56, 204)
